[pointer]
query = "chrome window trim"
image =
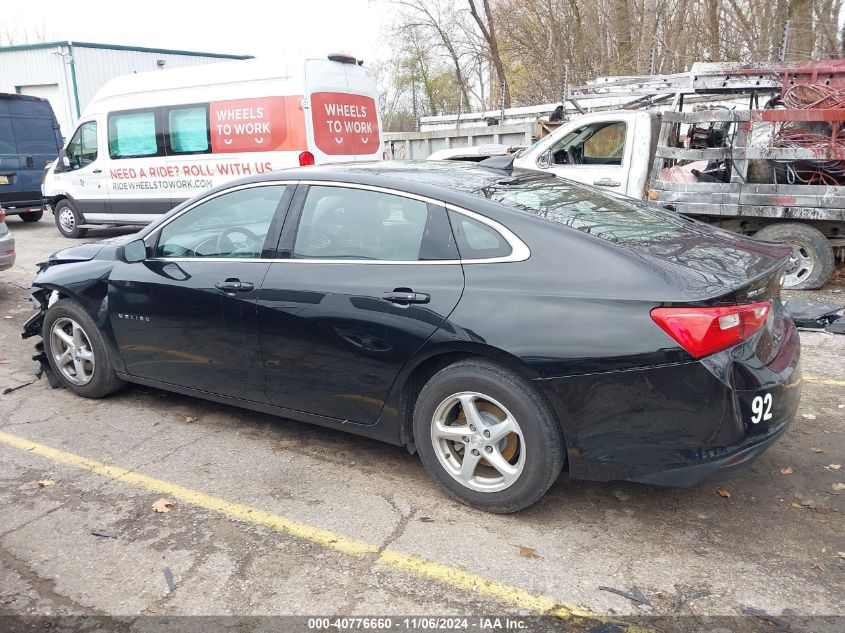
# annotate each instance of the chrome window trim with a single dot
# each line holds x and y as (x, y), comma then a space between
(519, 249)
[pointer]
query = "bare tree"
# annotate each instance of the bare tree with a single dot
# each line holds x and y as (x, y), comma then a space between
(487, 26)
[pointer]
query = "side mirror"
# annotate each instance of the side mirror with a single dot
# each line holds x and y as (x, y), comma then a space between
(134, 251)
(63, 163)
(544, 160)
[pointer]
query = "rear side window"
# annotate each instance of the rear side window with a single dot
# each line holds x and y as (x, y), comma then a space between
(476, 240)
(133, 134)
(345, 223)
(188, 128)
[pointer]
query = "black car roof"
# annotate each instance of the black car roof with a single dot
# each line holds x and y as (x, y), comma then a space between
(412, 175)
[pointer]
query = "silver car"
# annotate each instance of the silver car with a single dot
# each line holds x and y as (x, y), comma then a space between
(7, 244)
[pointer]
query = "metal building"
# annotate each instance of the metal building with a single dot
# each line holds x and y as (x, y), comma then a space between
(68, 74)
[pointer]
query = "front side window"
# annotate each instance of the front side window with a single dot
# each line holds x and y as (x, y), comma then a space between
(188, 130)
(133, 134)
(595, 144)
(232, 225)
(343, 223)
(82, 149)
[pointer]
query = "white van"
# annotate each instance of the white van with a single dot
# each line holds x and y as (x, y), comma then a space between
(149, 141)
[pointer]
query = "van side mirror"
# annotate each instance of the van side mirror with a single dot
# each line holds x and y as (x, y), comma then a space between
(64, 162)
(134, 251)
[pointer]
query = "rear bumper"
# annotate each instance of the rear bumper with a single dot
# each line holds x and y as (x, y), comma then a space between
(678, 425)
(724, 468)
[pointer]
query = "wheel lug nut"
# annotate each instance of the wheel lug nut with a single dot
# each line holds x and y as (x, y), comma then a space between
(489, 449)
(471, 427)
(465, 439)
(486, 433)
(475, 452)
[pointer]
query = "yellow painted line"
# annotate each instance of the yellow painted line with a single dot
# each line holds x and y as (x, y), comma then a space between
(415, 565)
(825, 381)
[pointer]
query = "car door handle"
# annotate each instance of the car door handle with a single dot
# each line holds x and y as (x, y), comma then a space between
(404, 297)
(606, 182)
(97, 171)
(234, 285)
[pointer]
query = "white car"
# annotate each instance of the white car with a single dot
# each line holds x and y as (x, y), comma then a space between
(474, 154)
(7, 244)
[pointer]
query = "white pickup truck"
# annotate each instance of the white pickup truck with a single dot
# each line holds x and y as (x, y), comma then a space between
(634, 153)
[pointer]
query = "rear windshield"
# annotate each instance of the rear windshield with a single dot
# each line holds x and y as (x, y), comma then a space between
(587, 210)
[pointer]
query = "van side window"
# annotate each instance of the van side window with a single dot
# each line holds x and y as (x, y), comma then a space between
(188, 130)
(82, 149)
(133, 134)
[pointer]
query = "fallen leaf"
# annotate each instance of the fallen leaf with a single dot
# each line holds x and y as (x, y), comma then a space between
(724, 493)
(45, 482)
(426, 519)
(809, 503)
(838, 486)
(786, 471)
(816, 449)
(796, 505)
(808, 416)
(817, 564)
(840, 554)
(528, 552)
(162, 505)
(189, 419)
(833, 467)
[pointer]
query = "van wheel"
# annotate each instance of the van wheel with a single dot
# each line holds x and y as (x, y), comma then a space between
(32, 216)
(68, 219)
(486, 435)
(812, 261)
(76, 351)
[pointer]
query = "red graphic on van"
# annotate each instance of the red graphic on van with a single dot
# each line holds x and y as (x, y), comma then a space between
(345, 124)
(248, 125)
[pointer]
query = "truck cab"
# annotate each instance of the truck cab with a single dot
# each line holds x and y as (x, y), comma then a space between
(611, 150)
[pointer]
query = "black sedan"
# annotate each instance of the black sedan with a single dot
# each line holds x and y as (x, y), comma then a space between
(504, 326)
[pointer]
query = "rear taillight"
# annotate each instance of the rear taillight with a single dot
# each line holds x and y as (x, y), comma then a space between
(2, 215)
(306, 158)
(702, 331)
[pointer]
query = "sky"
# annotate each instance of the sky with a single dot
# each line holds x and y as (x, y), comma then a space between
(244, 27)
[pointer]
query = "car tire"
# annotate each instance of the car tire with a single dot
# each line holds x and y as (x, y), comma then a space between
(98, 378)
(814, 260)
(68, 219)
(534, 452)
(32, 216)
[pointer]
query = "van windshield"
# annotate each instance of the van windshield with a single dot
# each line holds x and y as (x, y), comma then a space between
(597, 213)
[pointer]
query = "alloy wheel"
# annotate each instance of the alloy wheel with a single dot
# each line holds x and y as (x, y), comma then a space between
(72, 351)
(478, 441)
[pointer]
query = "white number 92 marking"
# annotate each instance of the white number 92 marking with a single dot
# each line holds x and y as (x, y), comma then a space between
(761, 407)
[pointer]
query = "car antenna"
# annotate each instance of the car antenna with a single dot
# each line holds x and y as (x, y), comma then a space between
(499, 163)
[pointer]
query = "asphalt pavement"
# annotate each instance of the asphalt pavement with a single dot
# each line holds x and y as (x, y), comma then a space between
(262, 515)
